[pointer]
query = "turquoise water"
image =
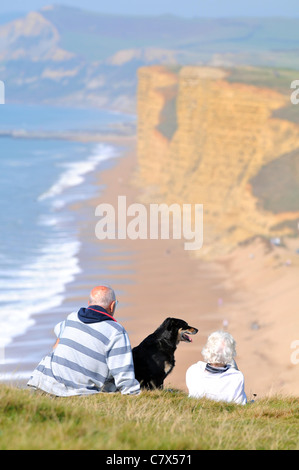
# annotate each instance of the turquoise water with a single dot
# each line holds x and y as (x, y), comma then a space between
(39, 179)
(57, 119)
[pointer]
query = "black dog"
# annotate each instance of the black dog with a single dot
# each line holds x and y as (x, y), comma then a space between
(154, 356)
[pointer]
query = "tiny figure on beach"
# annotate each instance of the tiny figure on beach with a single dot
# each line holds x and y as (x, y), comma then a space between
(92, 353)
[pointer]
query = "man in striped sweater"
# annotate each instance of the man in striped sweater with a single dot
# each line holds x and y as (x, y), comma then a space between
(92, 354)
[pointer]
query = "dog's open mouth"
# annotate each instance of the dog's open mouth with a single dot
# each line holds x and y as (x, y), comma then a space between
(184, 335)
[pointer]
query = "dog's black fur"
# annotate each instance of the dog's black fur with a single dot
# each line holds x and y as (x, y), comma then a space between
(154, 356)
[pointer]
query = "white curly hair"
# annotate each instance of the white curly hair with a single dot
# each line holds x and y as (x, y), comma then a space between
(220, 348)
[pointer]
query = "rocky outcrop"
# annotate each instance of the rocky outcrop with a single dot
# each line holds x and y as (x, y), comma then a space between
(211, 149)
(31, 37)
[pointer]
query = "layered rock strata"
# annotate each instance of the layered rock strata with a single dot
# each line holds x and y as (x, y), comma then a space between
(204, 140)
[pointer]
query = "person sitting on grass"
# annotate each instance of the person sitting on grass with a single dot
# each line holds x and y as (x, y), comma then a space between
(92, 354)
(218, 378)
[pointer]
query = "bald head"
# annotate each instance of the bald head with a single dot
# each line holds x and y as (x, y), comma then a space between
(103, 296)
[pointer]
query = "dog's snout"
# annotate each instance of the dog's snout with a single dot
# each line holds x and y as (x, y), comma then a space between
(192, 330)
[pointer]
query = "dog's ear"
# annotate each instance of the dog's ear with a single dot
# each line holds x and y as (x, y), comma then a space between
(168, 323)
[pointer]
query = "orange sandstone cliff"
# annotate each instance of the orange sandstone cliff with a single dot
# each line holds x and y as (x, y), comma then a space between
(204, 140)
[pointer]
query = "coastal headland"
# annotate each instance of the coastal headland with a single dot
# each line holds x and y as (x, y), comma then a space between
(219, 150)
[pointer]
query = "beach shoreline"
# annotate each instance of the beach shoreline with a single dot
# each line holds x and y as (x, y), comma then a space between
(155, 279)
(21, 354)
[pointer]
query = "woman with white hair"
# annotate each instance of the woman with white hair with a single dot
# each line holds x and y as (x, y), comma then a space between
(218, 378)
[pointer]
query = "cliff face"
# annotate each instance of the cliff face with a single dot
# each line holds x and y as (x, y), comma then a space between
(204, 140)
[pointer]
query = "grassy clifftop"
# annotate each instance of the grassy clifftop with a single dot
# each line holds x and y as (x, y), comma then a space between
(159, 420)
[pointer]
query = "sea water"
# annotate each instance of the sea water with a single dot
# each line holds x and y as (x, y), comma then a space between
(39, 179)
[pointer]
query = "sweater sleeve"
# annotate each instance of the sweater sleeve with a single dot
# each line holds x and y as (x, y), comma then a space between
(58, 329)
(239, 392)
(121, 366)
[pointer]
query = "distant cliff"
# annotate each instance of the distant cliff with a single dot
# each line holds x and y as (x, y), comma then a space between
(207, 140)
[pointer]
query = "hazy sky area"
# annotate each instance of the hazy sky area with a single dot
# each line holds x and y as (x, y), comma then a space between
(186, 8)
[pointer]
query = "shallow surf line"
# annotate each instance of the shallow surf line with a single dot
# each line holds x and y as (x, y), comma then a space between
(15, 376)
(39, 286)
(74, 172)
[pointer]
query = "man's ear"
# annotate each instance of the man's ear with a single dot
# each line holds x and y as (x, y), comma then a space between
(112, 306)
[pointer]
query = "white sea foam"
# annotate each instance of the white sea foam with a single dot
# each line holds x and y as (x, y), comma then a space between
(39, 286)
(15, 376)
(74, 172)
(48, 221)
(36, 288)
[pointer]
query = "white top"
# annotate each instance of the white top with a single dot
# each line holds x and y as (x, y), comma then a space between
(226, 386)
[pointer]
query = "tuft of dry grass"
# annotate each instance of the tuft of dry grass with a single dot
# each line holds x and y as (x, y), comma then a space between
(159, 420)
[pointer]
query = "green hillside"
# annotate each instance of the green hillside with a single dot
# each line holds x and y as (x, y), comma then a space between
(153, 420)
(97, 36)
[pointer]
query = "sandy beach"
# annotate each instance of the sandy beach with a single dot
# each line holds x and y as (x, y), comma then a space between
(164, 281)
(252, 292)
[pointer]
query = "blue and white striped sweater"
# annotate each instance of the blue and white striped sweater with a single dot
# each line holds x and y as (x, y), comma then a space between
(89, 358)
